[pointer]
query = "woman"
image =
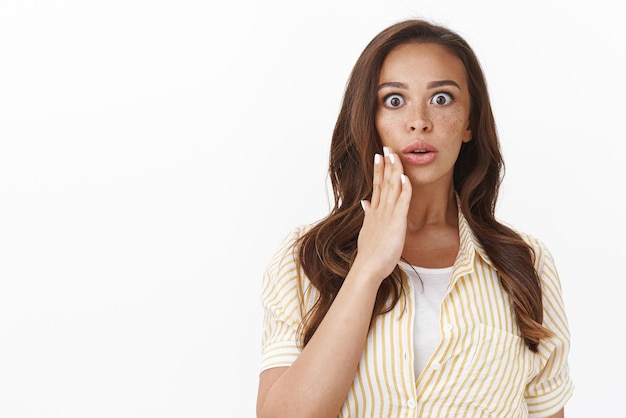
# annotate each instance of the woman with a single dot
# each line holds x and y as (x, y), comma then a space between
(410, 298)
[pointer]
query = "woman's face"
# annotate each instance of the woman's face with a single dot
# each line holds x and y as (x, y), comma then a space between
(423, 110)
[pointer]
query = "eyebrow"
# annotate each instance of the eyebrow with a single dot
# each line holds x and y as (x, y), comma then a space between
(431, 85)
(393, 84)
(440, 83)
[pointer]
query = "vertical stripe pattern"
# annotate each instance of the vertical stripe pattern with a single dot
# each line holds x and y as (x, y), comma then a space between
(481, 368)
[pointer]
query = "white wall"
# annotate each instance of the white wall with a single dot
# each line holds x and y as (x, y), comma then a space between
(154, 153)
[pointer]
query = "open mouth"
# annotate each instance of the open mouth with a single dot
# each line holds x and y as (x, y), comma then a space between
(420, 152)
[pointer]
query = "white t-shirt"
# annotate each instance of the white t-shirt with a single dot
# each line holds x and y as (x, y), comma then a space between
(430, 286)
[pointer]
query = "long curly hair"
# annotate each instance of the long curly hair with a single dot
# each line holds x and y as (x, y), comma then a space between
(327, 251)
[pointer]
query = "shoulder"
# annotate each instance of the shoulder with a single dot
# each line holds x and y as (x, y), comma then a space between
(284, 285)
(288, 247)
(547, 271)
(284, 265)
(541, 253)
(289, 244)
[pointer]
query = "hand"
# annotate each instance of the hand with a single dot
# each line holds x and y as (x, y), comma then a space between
(381, 239)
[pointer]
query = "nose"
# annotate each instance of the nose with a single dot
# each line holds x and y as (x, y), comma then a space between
(419, 120)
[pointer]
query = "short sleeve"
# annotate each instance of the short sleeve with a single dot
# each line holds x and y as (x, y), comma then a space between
(282, 301)
(549, 390)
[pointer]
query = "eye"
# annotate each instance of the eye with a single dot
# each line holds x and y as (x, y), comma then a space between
(442, 98)
(393, 100)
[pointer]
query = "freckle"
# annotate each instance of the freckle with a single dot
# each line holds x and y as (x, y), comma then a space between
(452, 121)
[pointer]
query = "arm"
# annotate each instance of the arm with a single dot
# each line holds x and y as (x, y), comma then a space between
(550, 389)
(318, 382)
(560, 414)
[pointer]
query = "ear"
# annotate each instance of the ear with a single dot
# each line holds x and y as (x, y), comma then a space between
(467, 135)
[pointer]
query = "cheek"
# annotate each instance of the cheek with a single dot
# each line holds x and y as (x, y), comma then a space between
(384, 126)
(454, 122)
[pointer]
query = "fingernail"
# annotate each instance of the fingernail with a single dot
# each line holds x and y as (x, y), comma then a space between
(392, 158)
(363, 204)
(402, 178)
(377, 159)
(385, 151)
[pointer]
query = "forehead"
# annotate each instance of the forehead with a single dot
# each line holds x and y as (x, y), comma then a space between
(422, 62)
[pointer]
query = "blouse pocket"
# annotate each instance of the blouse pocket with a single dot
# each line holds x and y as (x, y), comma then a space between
(486, 370)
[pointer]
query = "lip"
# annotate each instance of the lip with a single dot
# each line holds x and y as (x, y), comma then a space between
(426, 157)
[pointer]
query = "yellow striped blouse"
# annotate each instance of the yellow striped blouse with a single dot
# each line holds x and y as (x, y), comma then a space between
(481, 368)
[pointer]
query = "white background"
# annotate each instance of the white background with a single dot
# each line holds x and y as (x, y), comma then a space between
(154, 153)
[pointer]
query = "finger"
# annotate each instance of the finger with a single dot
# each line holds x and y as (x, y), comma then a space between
(391, 184)
(378, 179)
(404, 199)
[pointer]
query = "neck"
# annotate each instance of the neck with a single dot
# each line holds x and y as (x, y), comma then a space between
(432, 206)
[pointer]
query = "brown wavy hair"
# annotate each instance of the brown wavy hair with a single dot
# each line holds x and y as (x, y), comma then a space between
(327, 251)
